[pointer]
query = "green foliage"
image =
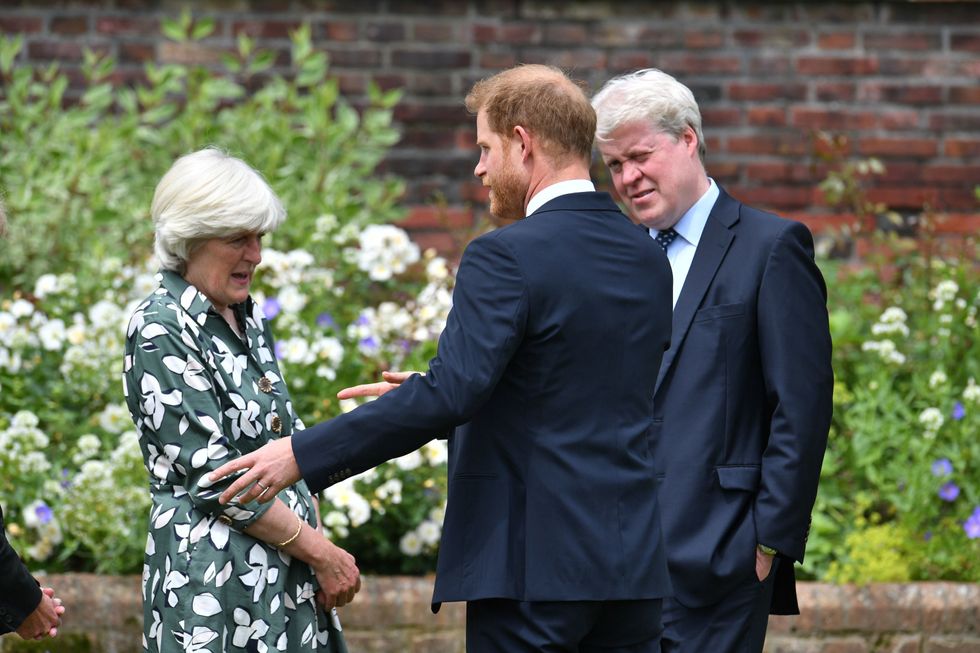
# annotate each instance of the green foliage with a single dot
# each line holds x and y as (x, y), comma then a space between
(348, 295)
(78, 179)
(900, 488)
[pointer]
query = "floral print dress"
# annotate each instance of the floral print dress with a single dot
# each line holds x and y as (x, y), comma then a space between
(199, 395)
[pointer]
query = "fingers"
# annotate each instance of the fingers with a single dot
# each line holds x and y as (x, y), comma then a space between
(239, 485)
(232, 466)
(365, 390)
(397, 377)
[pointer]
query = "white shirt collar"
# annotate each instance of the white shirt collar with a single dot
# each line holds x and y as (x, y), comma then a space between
(549, 193)
(691, 224)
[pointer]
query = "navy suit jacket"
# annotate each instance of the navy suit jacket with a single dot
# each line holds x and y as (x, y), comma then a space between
(743, 404)
(19, 592)
(544, 376)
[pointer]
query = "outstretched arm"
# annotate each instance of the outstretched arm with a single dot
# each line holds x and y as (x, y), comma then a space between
(271, 468)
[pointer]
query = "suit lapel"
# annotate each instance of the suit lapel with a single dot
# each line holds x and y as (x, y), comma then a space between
(712, 247)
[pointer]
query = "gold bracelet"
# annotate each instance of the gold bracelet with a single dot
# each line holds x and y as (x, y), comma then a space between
(299, 528)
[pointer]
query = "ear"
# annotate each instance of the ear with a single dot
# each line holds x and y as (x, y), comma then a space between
(523, 138)
(690, 140)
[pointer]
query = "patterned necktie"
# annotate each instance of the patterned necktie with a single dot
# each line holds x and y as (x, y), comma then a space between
(666, 237)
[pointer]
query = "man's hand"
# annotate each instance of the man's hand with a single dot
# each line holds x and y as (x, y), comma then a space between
(391, 381)
(763, 564)
(45, 619)
(339, 578)
(269, 470)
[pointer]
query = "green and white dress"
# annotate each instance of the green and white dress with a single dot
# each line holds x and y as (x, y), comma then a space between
(200, 395)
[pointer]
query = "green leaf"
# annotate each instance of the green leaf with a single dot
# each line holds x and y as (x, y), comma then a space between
(203, 28)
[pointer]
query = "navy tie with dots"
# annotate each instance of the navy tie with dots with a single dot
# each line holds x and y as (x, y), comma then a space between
(666, 237)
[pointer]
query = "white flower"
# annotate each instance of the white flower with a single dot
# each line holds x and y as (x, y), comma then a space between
(385, 250)
(409, 461)
(972, 391)
(291, 299)
(114, 418)
(937, 379)
(438, 514)
(436, 269)
(88, 447)
(359, 511)
(52, 334)
(429, 532)
(390, 489)
(45, 285)
(945, 291)
(297, 350)
(410, 544)
(105, 315)
(886, 350)
(932, 419)
(24, 419)
(436, 452)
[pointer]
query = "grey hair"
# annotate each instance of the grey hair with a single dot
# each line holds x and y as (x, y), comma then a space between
(209, 194)
(650, 96)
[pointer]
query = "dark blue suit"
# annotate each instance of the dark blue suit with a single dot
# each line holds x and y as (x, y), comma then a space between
(19, 592)
(544, 377)
(743, 405)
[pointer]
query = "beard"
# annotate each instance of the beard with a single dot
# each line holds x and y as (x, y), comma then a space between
(507, 195)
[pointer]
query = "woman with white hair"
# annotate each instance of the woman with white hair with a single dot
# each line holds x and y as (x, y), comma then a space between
(203, 386)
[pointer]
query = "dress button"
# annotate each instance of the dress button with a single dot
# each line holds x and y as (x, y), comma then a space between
(265, 385)
(225, 519)
(276, 424)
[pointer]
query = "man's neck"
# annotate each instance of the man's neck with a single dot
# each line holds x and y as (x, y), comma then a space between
(549, 176)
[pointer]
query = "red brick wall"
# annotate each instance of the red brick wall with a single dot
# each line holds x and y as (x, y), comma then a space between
(391, 614)
(901, 80)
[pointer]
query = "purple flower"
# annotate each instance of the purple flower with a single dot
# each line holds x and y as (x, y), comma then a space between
(279, 350)
(324, 320)
(927, 536)
(362, 320)
(949, 491)
(942, 467)
(972, 524)
(369, 343)
(65, 479)
(958, 411)
(44, 513)
(271, 308)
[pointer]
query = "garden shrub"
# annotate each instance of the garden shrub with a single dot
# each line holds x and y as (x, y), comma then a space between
(348, 294)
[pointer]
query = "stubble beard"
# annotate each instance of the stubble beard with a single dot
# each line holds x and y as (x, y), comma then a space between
(507, 198)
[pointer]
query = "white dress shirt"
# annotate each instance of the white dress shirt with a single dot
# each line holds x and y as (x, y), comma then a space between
(557, 190)
(680, 253)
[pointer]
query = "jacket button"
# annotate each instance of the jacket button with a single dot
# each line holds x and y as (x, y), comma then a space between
(265, 385)
(276, 424)
(225, 519)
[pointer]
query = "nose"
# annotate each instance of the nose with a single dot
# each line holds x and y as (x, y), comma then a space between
(481, 167)
(631, 172)
(253, 250)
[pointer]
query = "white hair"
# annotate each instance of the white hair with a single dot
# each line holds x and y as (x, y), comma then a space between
(650, 96)
(209, 194)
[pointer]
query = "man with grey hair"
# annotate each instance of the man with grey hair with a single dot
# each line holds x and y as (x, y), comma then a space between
(25, 608)
(743, 396)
